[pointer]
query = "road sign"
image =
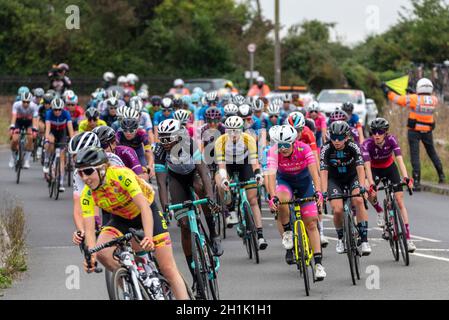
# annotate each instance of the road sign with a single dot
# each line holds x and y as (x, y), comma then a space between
(252, 48)
(248, 74)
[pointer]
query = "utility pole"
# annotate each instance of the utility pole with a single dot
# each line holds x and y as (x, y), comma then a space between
(277, 47)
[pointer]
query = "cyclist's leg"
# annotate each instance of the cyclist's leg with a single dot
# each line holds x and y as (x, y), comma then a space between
(335, 189)
(29, 140)
(200, 191)
(49, 149)
(395, 178)
(362, 214)
(284, 193)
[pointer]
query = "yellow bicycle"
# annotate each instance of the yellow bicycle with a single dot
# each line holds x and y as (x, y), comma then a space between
(303, 249)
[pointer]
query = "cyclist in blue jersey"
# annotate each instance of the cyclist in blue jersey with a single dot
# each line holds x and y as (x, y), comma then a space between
(164, 114)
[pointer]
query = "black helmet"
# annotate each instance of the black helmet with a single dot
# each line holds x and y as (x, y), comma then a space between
(177, 103)
(156, 100)
(129, 124)
(379, 124)
(92, 112)
(347, 107)
(90, 157)
(105, 134)
(339, 128)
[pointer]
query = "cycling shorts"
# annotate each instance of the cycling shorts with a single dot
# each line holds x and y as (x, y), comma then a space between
(243, 171)
(336, 187)
(301, 188)
(23, 123)
(391, 173)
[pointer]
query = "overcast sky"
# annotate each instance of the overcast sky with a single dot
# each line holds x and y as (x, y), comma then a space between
(355, 19)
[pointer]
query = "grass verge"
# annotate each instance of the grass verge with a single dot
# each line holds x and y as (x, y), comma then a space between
(12, 240)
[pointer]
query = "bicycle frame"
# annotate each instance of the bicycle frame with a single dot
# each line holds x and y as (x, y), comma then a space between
(299, 224)
(241, 195)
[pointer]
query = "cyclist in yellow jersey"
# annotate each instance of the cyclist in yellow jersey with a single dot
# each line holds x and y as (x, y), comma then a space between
(92, 120)
(236, 153)
(127, 197)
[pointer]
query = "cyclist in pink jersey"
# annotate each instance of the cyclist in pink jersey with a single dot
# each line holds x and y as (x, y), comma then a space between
(313, 112)
(292, 170)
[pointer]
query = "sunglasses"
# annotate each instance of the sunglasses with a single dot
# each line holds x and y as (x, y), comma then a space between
(25, 102)
(213, 120)
(128, 130)
(233, 131)
(57, 110)
(70, 104)
(92, 119)
(338, 137)
(168, 110)
(314, 111)
(378, 132)
(112, 108)
(285, 145)
(86, 171)
(274, 116)
(168, 140)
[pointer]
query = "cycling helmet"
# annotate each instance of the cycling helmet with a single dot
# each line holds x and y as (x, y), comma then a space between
(195, 98)
(121, 111)
(22, 90)
(156, 100)
(424, 86)
(178, 83)
(129, 124)
(92, 113)
(285, 134)
(82, 141)
(91, 157)
(260, 79)
(212, 97)
(198, 90)
(169, 127)
(47, 98)
(277, 101)
(213, 113)
(167, 103)
(239, 99)
(314, 106)
(287, 98)
(273, 109)
(127, 93)
(226, 97)
(113, 102)
(272, 132)
(177, 103)
(108, 76)
(338, 115)
(258, 105)
(57, 104)
(26, 96)
(143, 94)
(132, 78)
(234, 122)
(72, 99)
(347, 107)
(186, 100)
(131, 113)
(63, 66)
(245, 111)
(52, 92)
(379, 124)
(105, 134)
(297, 120)
(231, 110)
(122, 80)
(68, 93)
(182, 116)
(38, 92)
(136, 104)
(339, 128)
(114, 94)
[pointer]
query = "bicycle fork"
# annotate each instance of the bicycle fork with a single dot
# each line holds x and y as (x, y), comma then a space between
(130, 264)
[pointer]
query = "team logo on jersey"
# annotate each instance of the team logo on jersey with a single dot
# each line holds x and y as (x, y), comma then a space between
(127, 182)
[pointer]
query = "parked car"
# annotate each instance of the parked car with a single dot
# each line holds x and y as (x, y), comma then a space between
(330, 100)
(206, 84)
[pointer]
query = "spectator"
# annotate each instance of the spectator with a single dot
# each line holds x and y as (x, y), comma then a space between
(178, 88)
(420, 125)
(259, 89)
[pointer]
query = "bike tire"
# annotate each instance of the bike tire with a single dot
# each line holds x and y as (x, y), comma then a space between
(402, 239)
(389, 226)
(19, 163)
(109, 284)
(199, 268)
(300, 257)
(348, 235)
(251, 231)
(69, 172)
(213, 278)
(122, 275)
(57, 178)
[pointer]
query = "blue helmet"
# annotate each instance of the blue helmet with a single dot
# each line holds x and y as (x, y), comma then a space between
(186, 100)
(195, 98)
(199, 91)
(23, 89)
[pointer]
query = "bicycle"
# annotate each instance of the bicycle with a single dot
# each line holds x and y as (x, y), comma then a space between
(137, 278)
(220, 219)
(303, 249)
(394, 223)
(20, 154)
(351, 235)
(204, 264)
(246, 227)
(54, 175)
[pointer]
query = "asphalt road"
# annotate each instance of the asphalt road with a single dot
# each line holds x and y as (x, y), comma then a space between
(54, 263)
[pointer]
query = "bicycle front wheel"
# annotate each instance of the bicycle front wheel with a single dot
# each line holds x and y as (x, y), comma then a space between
(200, 268)
(57, 177)
(349, 245)
(300, 256)
(401, 235)
(251, 231)
(123, 288)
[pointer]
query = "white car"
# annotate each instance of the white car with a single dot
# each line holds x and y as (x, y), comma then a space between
(330, 100)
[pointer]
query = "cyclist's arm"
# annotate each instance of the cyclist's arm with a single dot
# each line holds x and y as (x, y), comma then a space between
(77, 214)
(369, 174)
(361, 175)
(203, 171)
(313, 169)
(402, 167)
(88, 213)
(361, 136)
(324, 167)
(324, 175)
(70, 128)
(47, 129)
(13, 118)
(147, 217)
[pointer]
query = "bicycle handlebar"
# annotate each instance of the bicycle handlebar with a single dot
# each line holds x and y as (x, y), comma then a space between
(242, 184)
(388, 185)
(347, 196)
(298, 201)
(188, 204)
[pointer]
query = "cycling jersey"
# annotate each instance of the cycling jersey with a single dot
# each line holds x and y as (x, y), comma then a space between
(77, 115)
(228, 151)
(255, 127)
(129, 158)
(181, 159)
(381, 156)
(139, 143)
(84, 125)
(296, 164)
(115, 196)
(341, 164)
(58, 124)
(320, 121)
(145, 121)
(42, 112)
(25, 113)
(159, 117)
(308, 138)
(354, 121)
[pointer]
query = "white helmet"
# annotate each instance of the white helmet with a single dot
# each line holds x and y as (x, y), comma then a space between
(258, 105)
(136, 104)
(122, 79)
(143, 94)
(169, 126)
(277, 101)
(260, 79)
(131, 113)
(424, 86)
(287, 97)
(178, 82)
(121, 111)
(182, 116)
(234, 122)
(57, 104)
(273, 109)
(108, 76)
(132, 78)
(296, 119)
(314, 106)
(212, 96)
(245, 110)
(68, 93)
(231, 109)
(285, 134)
(112, 101)
(272, 132)
(82, 141)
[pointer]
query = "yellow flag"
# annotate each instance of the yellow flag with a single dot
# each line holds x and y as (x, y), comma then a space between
(398, 85)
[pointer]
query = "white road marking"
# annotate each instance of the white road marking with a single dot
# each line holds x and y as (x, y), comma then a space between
(430, 257)
(436, 250)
